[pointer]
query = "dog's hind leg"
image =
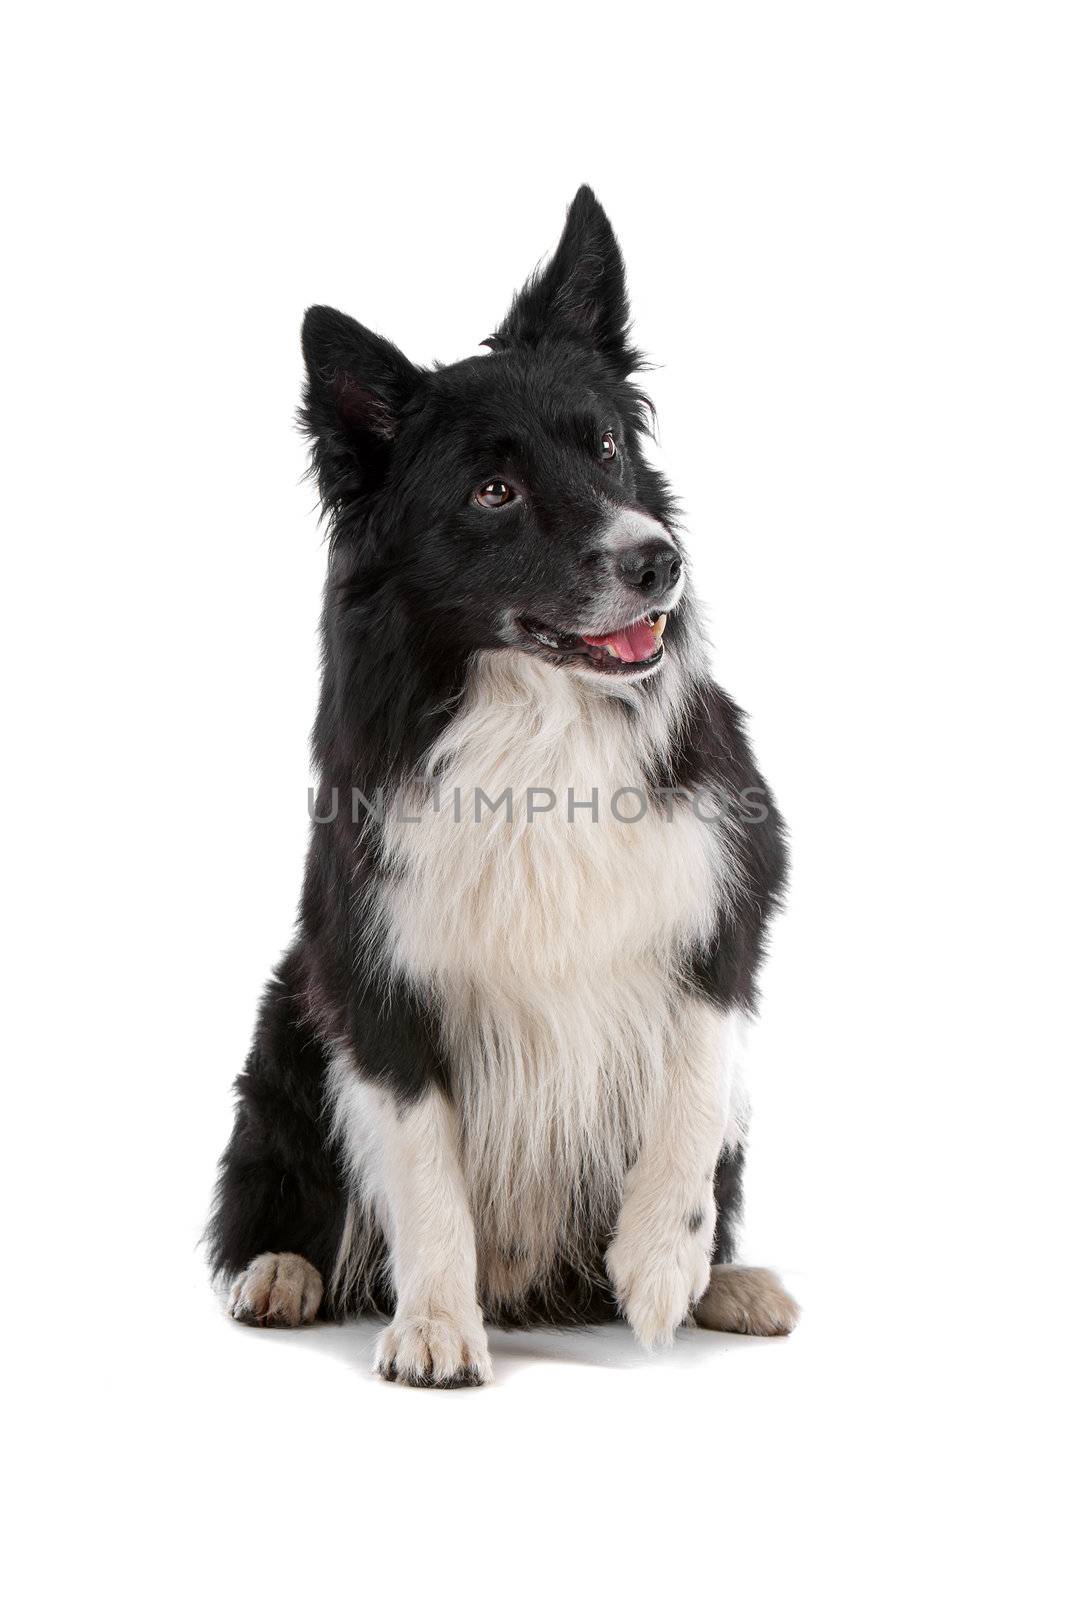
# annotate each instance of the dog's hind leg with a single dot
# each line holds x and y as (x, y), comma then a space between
(280, 1201)
(277, 1290)
(746, 1300)
(740, 1299)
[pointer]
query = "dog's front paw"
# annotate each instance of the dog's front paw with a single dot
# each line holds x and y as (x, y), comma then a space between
(434, 1352)
(656, 1280)
(277, 1291)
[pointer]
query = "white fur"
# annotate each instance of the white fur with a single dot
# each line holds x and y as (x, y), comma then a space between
(740, 1108)
(660, 1257)
(550, 945)
(747, 1300)
(281, 1290)
(629, 527)
(403, 1163)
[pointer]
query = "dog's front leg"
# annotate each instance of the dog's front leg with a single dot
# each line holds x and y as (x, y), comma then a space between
(437, 1338)
(659, 1260)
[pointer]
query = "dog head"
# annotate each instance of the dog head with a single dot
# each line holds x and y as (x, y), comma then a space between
(505, 499)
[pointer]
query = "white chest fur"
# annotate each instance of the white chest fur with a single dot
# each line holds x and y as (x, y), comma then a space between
(549, 942)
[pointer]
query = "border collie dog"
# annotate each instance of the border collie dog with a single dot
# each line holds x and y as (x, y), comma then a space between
(496, 1076)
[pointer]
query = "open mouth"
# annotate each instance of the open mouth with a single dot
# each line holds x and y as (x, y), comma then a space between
(629, 650)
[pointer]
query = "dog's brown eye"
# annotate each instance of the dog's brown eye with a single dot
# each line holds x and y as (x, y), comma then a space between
(495, 494)
(608, 447)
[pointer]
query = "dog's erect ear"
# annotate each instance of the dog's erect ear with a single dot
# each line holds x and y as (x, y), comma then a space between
(580, 295)
(357, 384)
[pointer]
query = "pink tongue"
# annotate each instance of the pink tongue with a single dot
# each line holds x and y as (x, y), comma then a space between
(635, 643)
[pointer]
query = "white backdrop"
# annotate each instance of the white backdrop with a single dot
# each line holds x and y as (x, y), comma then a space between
(844, 227)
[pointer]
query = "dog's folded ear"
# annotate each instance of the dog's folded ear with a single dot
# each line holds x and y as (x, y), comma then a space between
(580, 295)
(357, 384)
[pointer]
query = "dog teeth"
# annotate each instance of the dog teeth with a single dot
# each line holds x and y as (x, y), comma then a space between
(659, 625)
(611, 650)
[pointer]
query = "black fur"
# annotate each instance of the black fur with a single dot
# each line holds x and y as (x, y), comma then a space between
(416, 574)
(727, 1192)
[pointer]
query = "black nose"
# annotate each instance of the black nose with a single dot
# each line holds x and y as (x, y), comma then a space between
(652, 569)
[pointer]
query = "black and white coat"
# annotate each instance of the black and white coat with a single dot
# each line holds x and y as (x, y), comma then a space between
(497, 1075)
